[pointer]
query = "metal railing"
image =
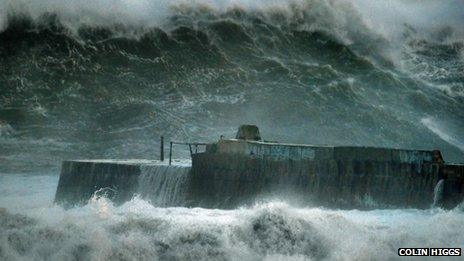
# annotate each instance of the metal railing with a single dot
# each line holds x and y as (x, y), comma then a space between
(193, 148)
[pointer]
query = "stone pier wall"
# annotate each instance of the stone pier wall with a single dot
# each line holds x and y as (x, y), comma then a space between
(118, 180)
(453, 188)
(79, 180)
(234, 172)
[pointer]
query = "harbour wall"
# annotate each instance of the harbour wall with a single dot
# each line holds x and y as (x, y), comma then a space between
(239, 172)
(121, 180)
(232, 173)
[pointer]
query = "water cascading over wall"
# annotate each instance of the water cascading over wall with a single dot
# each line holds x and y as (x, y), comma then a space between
(164, 185)
(120, 181)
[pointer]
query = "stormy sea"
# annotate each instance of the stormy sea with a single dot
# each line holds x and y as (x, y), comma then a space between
(105, 79)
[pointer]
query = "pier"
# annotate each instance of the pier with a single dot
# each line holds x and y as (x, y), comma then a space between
(233, 172)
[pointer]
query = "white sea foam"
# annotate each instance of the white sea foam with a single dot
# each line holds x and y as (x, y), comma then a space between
(383, 28)
(441, 132)
(438, 193)
(384, 18)
(269, 231)
(5, 129)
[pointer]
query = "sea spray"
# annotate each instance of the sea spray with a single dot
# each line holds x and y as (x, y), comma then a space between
(438, 193)
(101, 230)
(273, 231)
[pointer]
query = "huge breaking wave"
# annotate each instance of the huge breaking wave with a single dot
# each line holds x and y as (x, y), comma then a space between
(101, 78)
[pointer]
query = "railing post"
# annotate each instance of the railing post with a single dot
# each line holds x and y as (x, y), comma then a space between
(162, 149)
(170, 152)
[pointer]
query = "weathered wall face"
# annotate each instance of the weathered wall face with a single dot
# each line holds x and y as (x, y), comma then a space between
(228, 180)
(280, 151)
(453, 188)
(261, 149)
(79, 180)
(238, 171)
(235, 172)
(119, 181)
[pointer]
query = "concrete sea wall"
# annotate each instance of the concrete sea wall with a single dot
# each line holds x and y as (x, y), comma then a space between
(79, 180)
(453, 187)
(231, 173)
(121, 180)
(238, 172)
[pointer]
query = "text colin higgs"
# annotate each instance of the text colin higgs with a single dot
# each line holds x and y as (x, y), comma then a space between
(429, 251)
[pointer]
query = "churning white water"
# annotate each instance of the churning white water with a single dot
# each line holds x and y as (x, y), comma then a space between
(137, 230)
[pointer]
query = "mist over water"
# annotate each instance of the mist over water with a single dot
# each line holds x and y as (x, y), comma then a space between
(104, 79)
